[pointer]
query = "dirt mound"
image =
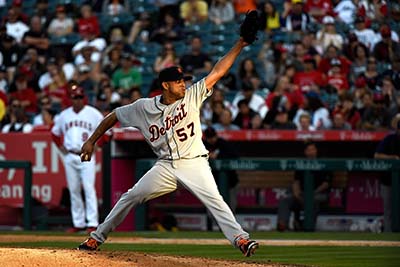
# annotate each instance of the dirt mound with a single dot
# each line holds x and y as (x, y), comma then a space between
(17, 257)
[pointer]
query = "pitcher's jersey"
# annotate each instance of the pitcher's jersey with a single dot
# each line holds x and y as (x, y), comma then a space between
(173, 131)
(76, 127)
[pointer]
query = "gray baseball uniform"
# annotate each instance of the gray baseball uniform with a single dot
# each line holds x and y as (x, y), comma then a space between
(174, 133)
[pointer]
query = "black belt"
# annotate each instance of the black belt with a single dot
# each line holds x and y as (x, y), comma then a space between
(74, 152)
(199, 156)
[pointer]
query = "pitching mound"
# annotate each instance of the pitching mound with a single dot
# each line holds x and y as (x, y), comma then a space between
(17, 257)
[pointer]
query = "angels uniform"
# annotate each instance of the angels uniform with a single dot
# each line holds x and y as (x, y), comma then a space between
(76, 129)
(174, 133)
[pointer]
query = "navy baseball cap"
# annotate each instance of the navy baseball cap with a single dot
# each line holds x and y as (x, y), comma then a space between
(173, 74)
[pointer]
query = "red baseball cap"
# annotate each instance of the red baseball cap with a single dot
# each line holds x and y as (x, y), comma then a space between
(17, 2)
(385, 31)
(281, 49)
(308, 58)
(77, 91)
(60, 8)
(360, 82)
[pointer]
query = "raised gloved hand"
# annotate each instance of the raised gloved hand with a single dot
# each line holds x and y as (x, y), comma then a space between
(250, 26)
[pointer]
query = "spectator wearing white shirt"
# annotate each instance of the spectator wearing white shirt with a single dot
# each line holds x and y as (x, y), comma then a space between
(14, 27)
(366, 36)
(115, 7)
(256, 102)
(17, 119)
(304, 122)
(327, 35)
(320, 117)
(97, 44)
(221, 11)
(44, 104)
(61, 25)
(346, 11)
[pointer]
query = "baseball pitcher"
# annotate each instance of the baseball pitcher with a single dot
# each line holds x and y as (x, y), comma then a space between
(170, 123)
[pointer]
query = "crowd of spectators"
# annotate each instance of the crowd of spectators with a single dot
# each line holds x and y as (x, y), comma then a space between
(318, 65)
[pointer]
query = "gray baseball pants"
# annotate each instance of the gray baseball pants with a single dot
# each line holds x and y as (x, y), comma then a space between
(195, 174)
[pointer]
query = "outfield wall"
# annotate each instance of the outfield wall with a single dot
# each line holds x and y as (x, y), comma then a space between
(127, 146)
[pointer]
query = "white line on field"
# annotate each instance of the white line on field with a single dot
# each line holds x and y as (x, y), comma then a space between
(264, 242)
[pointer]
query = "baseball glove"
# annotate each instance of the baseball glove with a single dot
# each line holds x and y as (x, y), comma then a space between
(250, 26)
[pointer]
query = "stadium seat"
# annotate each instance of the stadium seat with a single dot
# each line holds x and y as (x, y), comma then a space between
(180, 47)
(223, 28)
(122, 20)
(147, 79)
(70, 39)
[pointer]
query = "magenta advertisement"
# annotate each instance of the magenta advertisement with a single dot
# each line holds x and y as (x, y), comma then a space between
(363, 194)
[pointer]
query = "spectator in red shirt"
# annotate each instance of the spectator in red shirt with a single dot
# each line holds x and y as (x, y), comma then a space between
(372, 10)
(57, 90)
(291, 92)
(88, 20)
(25, 95)
(318, 8)
(330, 53)
(336, 77)
(349, 111)
(310, 77)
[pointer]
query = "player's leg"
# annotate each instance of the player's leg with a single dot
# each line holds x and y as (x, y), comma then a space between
(284, 210)
(71, 166)
(159, 180)
(202, 184)
(386, 193)
(88, 179)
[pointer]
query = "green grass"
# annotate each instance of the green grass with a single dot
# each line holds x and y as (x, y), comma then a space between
(322, 256)
(273, 235)
(255, 235)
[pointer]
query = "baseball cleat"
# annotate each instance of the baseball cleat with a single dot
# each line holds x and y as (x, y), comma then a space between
(90, 244)
(247, 247)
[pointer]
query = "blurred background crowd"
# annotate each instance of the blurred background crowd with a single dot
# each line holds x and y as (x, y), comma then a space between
(318, 64)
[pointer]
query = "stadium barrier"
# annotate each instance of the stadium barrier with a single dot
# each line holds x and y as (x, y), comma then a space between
(292, 164)
(27, 167)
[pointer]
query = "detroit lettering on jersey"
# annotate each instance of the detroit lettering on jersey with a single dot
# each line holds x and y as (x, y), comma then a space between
(78, 123)
(169, 121)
